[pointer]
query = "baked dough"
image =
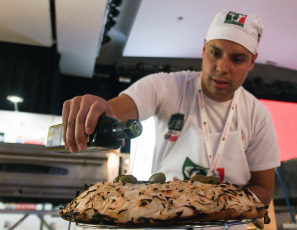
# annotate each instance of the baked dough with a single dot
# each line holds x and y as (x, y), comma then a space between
(171, 203)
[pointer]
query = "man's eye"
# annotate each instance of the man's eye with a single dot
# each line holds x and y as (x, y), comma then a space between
(215, 53)
(238, 60)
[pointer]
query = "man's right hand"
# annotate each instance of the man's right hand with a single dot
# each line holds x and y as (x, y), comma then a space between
(79, 116)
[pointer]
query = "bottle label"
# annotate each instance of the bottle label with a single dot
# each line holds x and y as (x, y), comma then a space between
(54, 137)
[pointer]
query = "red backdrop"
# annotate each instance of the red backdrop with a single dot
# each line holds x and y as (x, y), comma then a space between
(284, 115)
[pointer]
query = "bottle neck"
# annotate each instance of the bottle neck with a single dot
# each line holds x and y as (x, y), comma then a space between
(119, 130)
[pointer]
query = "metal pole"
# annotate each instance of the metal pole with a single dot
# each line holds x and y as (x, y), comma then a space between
(226, 226)
(16, 106)
(43, 222)
(285, 194)
(17, 223)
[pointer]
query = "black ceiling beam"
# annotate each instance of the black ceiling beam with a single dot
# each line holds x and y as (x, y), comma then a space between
(53, 20)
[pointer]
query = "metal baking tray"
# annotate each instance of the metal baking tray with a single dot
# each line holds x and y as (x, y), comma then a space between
(205, 224)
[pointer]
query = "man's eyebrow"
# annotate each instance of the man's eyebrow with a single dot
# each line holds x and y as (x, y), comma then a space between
(240, 55)
(234, 54)
(214, 47)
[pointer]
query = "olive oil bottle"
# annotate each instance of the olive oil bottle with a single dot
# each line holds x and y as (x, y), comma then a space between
(108, 134)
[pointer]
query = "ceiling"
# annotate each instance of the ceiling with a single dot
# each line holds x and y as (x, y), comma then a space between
(78, 28)
(145, 28)
(176, 28)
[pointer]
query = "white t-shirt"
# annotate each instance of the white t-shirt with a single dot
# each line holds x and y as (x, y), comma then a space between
(182, 152)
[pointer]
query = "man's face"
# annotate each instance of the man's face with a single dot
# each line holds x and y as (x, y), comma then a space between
(225, 67)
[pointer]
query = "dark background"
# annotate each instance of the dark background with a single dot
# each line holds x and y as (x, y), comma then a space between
(33, 73)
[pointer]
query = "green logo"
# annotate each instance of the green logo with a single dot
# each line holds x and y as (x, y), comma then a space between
(191, 169)
(235, 18)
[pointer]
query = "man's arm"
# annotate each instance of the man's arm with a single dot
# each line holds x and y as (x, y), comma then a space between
(81, 113)
(262, 184)
(124, 107)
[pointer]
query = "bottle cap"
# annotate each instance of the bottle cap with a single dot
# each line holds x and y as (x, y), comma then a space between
(133, 128)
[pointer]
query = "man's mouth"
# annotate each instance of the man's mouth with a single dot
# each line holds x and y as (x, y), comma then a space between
(220, 83)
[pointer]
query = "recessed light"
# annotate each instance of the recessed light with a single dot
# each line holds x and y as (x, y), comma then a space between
(15, 99)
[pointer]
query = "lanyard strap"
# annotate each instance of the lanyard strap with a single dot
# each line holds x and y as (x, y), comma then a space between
(205, 127)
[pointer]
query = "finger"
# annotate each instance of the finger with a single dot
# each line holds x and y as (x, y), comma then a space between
(71, 122)
(80, 134)
(65, 115)
(96, 110)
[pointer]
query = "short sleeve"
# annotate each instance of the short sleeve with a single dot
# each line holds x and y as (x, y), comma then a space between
(263, 151)
(146, 93)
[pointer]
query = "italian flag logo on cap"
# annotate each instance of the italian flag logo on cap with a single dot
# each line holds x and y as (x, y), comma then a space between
(235, 18)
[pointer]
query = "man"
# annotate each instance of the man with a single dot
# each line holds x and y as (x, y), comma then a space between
(206, 123)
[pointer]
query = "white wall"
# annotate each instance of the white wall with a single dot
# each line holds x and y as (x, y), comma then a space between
(142, 149)
(21, 127)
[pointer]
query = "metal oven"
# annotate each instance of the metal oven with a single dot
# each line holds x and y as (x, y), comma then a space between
(29, 173)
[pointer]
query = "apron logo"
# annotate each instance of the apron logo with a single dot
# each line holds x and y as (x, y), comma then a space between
(235, 18)
(175, 125)
(191, 169)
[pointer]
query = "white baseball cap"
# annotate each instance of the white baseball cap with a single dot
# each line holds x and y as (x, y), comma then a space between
(243, 29)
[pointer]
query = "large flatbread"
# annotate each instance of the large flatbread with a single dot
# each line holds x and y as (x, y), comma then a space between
(174, 202)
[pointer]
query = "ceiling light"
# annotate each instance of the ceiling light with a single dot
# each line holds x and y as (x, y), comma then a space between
(113, 12)
(105, 39)
(116, 2)
(125, 79)
(15, 100)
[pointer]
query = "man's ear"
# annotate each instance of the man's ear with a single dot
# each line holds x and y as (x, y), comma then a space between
(204, 44)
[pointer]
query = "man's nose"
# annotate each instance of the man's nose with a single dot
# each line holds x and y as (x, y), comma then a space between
(223, 65)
